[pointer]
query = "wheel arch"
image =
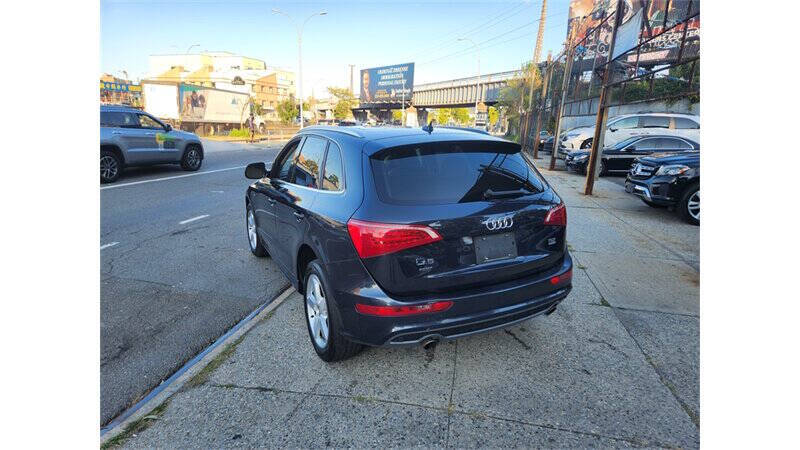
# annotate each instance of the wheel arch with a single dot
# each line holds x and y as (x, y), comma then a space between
(305, 254)
(113, 148)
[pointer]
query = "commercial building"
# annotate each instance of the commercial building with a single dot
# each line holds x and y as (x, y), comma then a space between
(266, 85)
(119, 91)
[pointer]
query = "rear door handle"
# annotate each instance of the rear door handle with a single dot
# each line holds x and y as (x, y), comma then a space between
(149, 134)
(299, 216)
(116, 132)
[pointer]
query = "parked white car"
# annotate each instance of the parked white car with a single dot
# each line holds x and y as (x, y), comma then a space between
(622, 127)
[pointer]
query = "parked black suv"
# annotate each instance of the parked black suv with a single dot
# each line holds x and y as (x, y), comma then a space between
(403, 235)
(668, 180)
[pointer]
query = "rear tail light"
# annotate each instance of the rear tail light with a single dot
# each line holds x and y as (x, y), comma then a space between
(395, 311)
(557, 216)
(375, 239)
(564, 277)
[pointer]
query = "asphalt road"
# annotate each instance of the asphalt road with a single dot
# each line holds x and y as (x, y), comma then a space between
(176, 271)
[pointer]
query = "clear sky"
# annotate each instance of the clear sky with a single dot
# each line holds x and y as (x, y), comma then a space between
(359, 32)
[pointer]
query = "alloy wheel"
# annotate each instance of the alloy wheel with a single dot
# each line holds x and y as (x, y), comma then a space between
(108, 167)
(317, 311)
(251, 229)
(693, 205)
(193, 159)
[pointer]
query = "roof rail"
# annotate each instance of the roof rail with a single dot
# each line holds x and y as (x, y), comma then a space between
(345, 130)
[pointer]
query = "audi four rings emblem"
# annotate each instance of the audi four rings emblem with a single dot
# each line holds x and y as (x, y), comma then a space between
(499, 223)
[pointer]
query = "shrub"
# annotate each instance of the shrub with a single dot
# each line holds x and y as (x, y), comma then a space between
(240, 132)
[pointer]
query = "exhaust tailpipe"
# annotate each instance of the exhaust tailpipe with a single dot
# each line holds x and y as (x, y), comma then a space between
(429, 344)
(551, 310)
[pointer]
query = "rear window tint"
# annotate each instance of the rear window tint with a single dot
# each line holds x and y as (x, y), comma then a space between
(451, 172)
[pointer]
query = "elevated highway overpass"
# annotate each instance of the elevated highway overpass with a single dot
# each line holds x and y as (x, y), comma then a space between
(457, 93)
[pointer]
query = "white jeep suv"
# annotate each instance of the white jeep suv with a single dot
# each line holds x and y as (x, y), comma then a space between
(622, 127)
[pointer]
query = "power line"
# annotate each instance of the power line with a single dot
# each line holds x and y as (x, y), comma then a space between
(480, 45)
(449, 42)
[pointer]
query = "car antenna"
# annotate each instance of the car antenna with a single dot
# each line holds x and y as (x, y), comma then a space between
(429, 127)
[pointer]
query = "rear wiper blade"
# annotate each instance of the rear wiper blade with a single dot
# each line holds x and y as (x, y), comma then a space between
(487, 194)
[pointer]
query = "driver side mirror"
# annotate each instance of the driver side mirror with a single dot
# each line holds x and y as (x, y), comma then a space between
(612, 129)
(168, 127)
(255, 171)
(631, 148)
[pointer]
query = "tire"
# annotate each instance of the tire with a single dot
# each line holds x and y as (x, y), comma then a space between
(587, 143)
(603, 171)
(110, 167)
(336, 347)
(256, 246)
(687, 208)
(192, 159)
(653, 205)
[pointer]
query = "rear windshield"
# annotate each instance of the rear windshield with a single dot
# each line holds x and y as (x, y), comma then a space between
(453, 172)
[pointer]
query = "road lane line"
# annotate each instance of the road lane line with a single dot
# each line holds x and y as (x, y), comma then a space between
(184, 222)
(170, 178)
(110, 244)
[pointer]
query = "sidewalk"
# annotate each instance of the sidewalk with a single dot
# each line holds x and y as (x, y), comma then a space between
(617, 364)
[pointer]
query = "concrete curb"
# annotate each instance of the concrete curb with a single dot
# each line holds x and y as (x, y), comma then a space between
(175, 385)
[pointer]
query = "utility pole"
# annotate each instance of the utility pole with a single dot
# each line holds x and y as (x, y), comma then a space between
(602, 110)
(545, 82)
(351, 78)
(537, 51)
(478, 85)
(564, 85)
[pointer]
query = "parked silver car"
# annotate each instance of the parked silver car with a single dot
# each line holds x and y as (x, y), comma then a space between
(130, 137)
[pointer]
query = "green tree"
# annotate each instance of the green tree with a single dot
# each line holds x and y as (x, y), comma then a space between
(443, 115)
(460, 115)
(287, 110)
(514, 97)
(345, 102)
(494, 114)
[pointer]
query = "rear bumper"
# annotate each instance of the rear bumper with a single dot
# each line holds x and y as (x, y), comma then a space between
(473, 311)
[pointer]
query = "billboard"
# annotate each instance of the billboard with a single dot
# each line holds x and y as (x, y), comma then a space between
(641, 21)
(203, 104)
(388, 84)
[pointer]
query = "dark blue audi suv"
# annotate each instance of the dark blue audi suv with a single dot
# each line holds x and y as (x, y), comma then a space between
(401, 236)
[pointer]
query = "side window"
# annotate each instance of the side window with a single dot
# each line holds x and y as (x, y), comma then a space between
(628, 122)
(682, 123)
(655, 122)
(117, 119)
(285, 171)
(332, 176)
(309, 163)
(668, 144)
(146, 121)
(647, 144)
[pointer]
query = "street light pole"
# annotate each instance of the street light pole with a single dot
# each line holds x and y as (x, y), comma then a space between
(478, 86)
(299, 54)
(403, 116)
